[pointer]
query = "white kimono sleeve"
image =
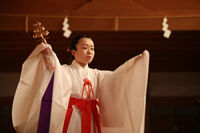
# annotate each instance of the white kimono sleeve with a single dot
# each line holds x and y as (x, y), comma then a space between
(33, 82)
(122, 96)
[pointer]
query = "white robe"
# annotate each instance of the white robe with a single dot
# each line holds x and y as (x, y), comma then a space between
(121, 93)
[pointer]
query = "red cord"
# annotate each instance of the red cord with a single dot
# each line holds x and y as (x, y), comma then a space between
(87, 82)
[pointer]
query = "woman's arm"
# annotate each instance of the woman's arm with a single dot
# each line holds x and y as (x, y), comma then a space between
(48, 59)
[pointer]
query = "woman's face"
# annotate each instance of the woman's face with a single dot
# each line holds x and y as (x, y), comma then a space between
(84, 52)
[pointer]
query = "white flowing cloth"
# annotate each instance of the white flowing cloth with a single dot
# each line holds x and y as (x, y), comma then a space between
(121, 93)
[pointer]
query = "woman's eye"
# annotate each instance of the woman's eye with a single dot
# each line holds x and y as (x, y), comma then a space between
(92, 48)
(84, 47)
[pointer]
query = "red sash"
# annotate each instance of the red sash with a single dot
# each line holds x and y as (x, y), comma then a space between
(88, 108)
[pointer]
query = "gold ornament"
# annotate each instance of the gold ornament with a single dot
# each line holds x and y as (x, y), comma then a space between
(40, 32)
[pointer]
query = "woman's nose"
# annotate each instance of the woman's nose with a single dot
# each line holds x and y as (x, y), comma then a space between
(89, 51)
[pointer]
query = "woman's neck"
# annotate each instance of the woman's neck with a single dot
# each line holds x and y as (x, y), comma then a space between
(81, 64)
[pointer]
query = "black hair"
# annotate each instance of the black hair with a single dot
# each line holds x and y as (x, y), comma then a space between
(74, 43)
(75, 40)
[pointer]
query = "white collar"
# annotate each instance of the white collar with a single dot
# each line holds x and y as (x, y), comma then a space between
(77, 65)
(83, 71)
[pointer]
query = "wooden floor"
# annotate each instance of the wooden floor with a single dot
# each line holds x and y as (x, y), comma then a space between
(163, 115)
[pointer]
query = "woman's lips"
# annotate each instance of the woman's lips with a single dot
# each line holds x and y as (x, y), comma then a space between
(89, 57)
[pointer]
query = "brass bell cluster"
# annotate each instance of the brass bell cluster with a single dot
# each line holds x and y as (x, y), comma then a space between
(40, 32)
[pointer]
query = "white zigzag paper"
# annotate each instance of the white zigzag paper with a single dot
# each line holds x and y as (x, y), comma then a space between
(167, 32)
(65, 28)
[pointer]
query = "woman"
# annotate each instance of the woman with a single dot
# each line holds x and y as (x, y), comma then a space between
(74, 90)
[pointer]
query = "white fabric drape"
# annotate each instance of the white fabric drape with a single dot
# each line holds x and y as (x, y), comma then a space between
(122, 94)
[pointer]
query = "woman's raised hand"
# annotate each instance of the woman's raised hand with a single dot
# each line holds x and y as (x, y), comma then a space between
(48, 59)
(46, 51)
